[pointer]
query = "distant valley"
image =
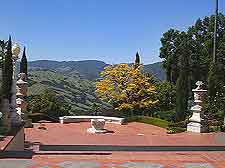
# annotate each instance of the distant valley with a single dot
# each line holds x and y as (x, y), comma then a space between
(74, 81)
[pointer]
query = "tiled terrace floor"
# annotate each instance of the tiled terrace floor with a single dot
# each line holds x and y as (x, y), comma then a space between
(75, 134)
(122, 160)
(137, 134)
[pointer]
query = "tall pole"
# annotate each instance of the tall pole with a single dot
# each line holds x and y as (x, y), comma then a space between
(215, 33)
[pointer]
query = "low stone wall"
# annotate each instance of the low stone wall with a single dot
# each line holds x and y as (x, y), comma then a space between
(71, 119)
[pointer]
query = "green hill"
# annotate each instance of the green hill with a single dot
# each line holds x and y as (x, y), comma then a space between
(73, 81)
(156, 70)
(88, 69)
(80, 93)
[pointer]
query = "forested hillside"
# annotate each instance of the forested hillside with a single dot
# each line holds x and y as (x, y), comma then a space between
(73, 81)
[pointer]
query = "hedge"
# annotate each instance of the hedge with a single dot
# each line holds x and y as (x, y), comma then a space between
(149, 120)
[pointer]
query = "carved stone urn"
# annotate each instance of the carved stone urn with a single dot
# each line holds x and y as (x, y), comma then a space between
(198, 123)
(97, 126)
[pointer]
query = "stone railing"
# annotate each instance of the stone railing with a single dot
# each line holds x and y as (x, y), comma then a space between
(71, 119)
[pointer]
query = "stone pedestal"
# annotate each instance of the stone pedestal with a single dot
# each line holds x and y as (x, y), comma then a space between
(15, 117)
(97, 126)
(198, 123)
(22, 98)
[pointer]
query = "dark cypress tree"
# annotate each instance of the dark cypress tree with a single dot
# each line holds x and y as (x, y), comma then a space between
(137, 60)
(182, 82)
(23, 63)
(214, 83)
(2, 47)
(7, 72)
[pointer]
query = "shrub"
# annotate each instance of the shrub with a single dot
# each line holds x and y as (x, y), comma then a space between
(216, 128)
(181, 124)
(166, 115)
(213, 128)
(36, 116)
(174, 130)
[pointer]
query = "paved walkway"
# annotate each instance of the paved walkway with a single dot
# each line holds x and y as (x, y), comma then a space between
(122, 160)
(5, 141)
(133, 134)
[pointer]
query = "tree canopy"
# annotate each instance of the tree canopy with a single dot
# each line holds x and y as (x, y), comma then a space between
(126, 87)
(188, 58)
(200, 36)
(48, 103)
(23, 63)
(7, 71)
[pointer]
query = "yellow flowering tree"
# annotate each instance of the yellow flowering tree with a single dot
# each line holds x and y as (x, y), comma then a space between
(126, 87)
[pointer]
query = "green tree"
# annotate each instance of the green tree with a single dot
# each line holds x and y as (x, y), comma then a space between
(168, 52)
(214, 84)
(182, 82)
(2, 56)
(200, 36)
(48, 104)
(23, 63)
(2, 53)
(7, 71)
(137, 60)
(127, 88)
(200, 49)
(166, 94)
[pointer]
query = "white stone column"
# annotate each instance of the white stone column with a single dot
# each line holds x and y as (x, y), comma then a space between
(15, 117)
(197, 122)
(21, 96)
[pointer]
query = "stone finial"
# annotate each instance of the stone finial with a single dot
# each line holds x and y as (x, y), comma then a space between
(199, 85)
(23, 76)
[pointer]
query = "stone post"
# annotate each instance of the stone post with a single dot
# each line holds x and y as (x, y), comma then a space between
(21, 94)
(15, 117)
(198, 123)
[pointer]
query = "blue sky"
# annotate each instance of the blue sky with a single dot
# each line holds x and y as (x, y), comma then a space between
(107, 30)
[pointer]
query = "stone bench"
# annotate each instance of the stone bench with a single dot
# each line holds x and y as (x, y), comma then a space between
(71, 119)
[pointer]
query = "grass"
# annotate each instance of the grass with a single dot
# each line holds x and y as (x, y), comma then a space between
(216, 128)
(157, 122)
(149, 120)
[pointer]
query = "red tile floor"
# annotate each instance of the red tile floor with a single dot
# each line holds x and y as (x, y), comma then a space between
(132, 134)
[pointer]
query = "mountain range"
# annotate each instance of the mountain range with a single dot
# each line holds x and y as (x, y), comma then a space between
(88, 69)
(74, 81)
